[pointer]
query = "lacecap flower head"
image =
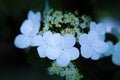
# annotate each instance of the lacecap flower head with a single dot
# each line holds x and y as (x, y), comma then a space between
(63, 36)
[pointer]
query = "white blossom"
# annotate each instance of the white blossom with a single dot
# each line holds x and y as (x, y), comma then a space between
(29, 29)
(92, 46)
(116, 54)
(59, 48)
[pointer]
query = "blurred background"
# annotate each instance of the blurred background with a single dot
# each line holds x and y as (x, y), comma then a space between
(18, 64)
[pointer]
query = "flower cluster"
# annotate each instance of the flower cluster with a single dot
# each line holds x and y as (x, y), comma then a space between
(59, 34)
(65, 22)
(70, 72)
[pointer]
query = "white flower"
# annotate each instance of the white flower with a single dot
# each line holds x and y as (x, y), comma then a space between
(30, 26)
(92, 46)
(59, 47)
(68, 52)
(100, 28)
(29, 29)
(110, 51)
(116, 54)
(49, 48)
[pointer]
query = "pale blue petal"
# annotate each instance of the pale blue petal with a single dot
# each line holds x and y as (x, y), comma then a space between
(41, 51)
(92, 36)
(34, 16)
(95, 56)
(101, 28)
(38, 16)
(116, 58)
(117, 47)
(73, 52)
(47, 35)
(102, 37)
(26, 27)
(22, 41)
(55, 39)
(100, 46)
(53, 53)
(116, 54)
(30, 14)
(37, 40)
(63, 60)
(110, 51)
(68, 41)
(35, 19)
(86, 51)
(30, 27)
(35, 29)
(83, 39)
(92, 25)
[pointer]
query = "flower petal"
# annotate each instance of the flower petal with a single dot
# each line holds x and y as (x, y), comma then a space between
(92, 25)
(116, 54)
(92, 36)
(22, 41)
(110, 51)
(73, 52)
(38, 16)
(34, 16)
(86, 51)
(55, 39)
(63, 60)
(35, 30)
(30, 14)
(53, 53)
(100, 46)
(37, 40)
(101, 28)
(95, 56)
(47, 35)
(41, 51)
(83, 39)
(116, 58)
(68, 41)
(117, 47)
(26, 27)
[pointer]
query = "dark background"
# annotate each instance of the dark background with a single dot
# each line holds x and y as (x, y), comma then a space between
(18, 64)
